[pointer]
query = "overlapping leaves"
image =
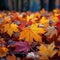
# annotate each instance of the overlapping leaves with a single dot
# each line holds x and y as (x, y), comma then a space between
(32, 32)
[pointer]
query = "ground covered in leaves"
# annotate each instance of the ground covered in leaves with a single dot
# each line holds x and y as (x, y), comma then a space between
(30, 36)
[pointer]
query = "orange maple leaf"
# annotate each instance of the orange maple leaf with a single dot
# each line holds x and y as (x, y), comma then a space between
(31, 33)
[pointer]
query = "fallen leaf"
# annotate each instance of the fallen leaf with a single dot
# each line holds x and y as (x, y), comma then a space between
(11, 28)
(48, 50)
(32, 32)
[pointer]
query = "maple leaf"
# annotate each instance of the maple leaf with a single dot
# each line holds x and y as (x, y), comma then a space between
(55, 18)
(50, 32)
(44, 21)
(32, 18)
(10, 28)
(36, 29)
(23, 46)
(31, 33)
(48, 51)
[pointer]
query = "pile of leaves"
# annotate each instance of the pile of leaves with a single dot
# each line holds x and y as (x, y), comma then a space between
(21, 29)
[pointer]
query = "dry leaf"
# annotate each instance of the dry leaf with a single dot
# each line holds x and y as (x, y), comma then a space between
(44, 21)
(50, 32)
(31, 33)
(48, 50)
(11, 28)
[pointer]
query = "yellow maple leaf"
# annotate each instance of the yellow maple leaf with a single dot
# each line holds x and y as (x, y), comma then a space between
(35, 28)
(44, 21)
(48, 50)
(32, 17)
(55, 18)
(10, 28)
(31, 33)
